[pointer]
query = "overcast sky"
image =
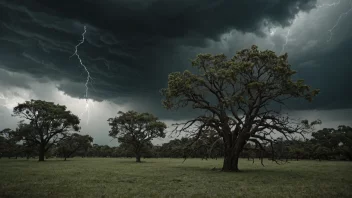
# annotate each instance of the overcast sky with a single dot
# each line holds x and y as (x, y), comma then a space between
(131, 46)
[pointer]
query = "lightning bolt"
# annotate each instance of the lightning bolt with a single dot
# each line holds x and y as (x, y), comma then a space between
(338, 20)
(86, 70)
(286, 40)
(286, 37)
(330, 30)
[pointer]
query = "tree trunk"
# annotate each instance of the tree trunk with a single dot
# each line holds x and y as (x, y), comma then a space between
(230, 163)
(348, 155)
(231, 159)
(232, 153)
(138, 157)
(41, 152)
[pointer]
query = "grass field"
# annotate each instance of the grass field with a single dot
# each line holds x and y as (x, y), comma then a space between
(111, 177)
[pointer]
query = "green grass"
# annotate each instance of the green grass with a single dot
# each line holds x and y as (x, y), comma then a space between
(111, 177)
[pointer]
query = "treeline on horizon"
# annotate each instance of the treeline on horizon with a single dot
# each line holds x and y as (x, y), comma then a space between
(325, 144)
(239, 100)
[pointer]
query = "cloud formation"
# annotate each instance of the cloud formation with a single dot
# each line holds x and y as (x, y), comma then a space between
(132, 45)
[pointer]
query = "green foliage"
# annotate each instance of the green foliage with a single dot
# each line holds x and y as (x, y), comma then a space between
(8, 143)
(249, 71)
(332, 142)
(48, 123)
(237, 95)
(136, 129)
(101, 151)
(42, 115)
(71, 144)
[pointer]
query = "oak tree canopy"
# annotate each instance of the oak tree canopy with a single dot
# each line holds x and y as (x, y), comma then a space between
(238, 98)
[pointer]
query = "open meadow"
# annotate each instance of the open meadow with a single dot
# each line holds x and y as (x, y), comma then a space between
(113, 177)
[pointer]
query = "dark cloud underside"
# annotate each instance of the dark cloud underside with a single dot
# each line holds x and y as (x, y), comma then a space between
(132, 45)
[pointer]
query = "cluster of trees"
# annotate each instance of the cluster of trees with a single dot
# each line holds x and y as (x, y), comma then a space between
(14, 144)
(48, 129)
(325, 144)
(239, 102)
(9, 146)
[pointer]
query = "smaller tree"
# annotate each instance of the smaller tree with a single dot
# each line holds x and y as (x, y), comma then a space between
(73, 143)
(333, 143)
(8, 143)
(136, 129)
(345, 135)
(48, 123)
(327, 142)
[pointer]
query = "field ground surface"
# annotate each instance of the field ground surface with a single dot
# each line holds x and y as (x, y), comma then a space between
(114, 177)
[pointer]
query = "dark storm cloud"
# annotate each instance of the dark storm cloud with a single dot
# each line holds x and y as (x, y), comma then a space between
(131, 46)
(8, 80)
(156, 20)
(330, 71)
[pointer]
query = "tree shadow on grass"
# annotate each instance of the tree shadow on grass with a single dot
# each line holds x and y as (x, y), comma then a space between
(134, 162)
(248, 171)
(35, 160)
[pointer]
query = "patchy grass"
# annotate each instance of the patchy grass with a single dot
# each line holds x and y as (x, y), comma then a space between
(111, 177)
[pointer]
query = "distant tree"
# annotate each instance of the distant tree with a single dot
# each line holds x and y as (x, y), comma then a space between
(136, 129)
(71, 144)
(321, 152)
(48, 123)
(345, 135)
(331, 142)
(3, 146)
(238, 97)
(106, 151)
(308, 148)
(205, 146)
(100, 151)
(156, 151)
(326, 142)
(126, 150)
(8, 143)
(93, 151)
(29, 150)
(175, 148)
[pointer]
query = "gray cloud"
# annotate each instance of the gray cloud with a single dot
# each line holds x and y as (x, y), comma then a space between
(9, 80)
(131, 46)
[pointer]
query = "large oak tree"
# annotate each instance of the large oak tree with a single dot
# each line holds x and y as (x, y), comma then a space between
(136, 129)
(48, 123)
(238, 97)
